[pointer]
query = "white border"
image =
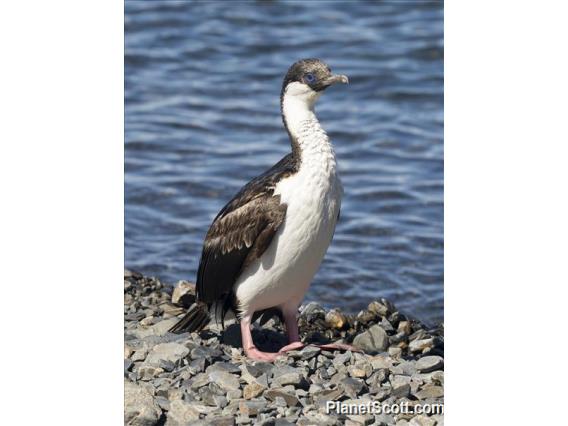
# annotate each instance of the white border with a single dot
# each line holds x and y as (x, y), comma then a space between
(61, 164)
(61, 172)
(506, 159)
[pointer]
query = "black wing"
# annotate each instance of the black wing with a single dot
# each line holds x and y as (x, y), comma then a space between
(241, 232)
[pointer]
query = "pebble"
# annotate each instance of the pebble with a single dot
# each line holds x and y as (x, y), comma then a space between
(140, 408)
(290, 399)
(221, 421)
(352, 387)
(427, 364)
(373, 340)
(167, 352)
(404, 327)
(252, 390)
(335, 319)
(421, 345)
(381, 361)
(183, 294)
(148, 372)
(181, 413)
(127, 364)
(400, 385)
(378, 308)
(253, 407)
(139, 355)
(430, 391)
(356, 371)
(422, 420)
(198, 379)
(162, 327)
(226, 381)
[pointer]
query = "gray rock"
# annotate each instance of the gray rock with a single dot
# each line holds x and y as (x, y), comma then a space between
(427, 364)
(386, 325)
(378, 377)
(353, 387)
(200, 380)
(139, 355)
(358, 371)
(162, 327)
(140, 408)
(309, 352)
(312, 310)
(360, 419)
(221, 421)
(380, 361)
(253, 390)
(127, 365)
(181, 413)
(163, 403)
(408, 367)
(382, 393)
(293, 378)
(197, 365)
(148, 372)
(342, 358)
(422, 420)
(135, 316)
(234, 394)
(205, 352)
(228, 367)
(405, 327)
(400, 386)
(291, 400)
(183, 294)
(395, 352)
(437, 377)
(226, 381)
(207, 396)
(373, 340)
(421, 344)
(384, 419)
(430, 391)
(378, 308)
(335, 319)
(252, 407)
(172, 352)
(256, 370)
(283, 422)
(328, 394)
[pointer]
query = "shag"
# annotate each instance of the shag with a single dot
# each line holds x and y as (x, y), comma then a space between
(265, 246)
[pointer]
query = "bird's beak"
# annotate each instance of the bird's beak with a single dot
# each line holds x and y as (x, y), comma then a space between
(336, 78)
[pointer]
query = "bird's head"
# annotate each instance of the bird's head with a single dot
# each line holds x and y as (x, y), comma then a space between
(307, 79)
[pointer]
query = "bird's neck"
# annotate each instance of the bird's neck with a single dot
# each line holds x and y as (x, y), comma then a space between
(306, 134)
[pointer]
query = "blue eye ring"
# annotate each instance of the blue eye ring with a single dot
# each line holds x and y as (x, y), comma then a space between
(310, 78)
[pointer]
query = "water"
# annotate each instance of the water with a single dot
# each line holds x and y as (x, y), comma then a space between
(202, 118)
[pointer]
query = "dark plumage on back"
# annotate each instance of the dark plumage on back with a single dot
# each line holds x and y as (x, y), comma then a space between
(240, 234)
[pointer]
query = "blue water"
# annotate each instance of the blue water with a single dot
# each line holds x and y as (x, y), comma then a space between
(202, 118)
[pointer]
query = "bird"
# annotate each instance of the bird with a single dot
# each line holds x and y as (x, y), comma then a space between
(265, 245)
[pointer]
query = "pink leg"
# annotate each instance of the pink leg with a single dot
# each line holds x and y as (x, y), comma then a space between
(292, 330)
(248, 345)
(339, 347)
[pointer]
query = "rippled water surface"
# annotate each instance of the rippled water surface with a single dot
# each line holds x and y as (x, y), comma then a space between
(202, 118)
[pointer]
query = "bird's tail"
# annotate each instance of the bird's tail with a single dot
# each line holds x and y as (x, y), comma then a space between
(196, 318)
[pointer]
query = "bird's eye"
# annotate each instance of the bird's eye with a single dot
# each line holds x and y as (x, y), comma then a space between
(310, 78)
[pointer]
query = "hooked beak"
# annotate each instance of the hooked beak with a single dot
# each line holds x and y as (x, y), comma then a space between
(336, 78)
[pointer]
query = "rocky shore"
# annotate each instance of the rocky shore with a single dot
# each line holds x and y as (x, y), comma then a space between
(204, 378)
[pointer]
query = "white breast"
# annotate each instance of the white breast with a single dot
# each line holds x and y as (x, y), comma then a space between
(313, 196)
